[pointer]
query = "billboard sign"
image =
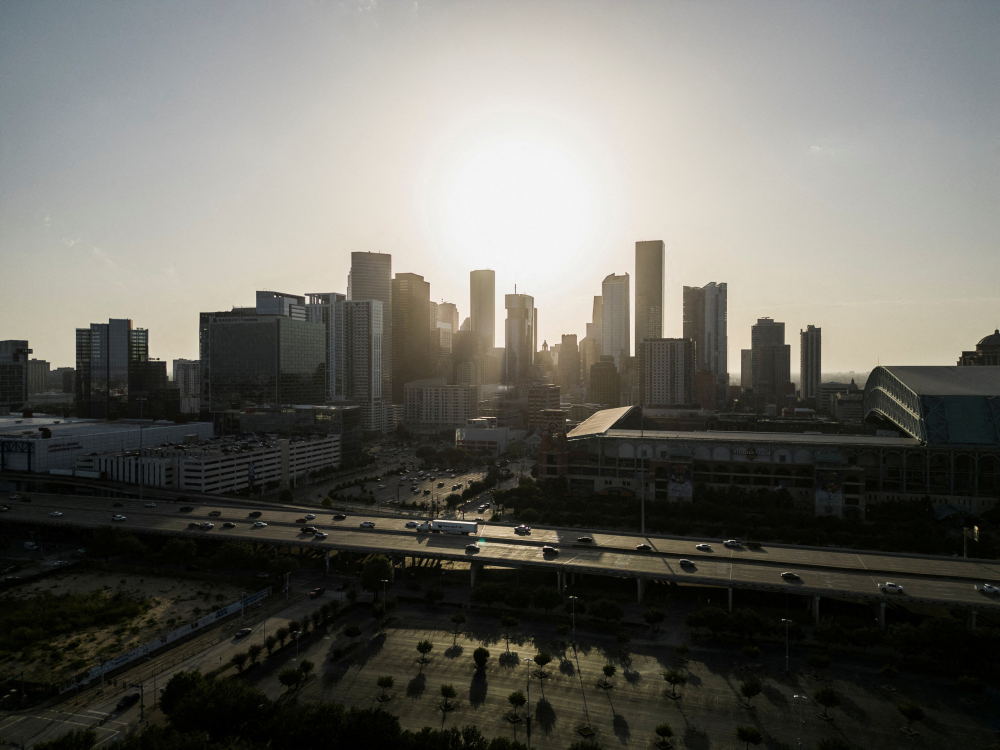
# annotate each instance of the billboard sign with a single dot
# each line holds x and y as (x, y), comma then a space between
(829, 490)
(680, 482)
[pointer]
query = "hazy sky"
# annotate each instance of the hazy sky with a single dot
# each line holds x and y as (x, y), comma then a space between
(837, 163)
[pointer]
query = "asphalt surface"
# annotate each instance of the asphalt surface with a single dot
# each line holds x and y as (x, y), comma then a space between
(930, 580)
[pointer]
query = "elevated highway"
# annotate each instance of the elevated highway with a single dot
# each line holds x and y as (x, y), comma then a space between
(837, 573)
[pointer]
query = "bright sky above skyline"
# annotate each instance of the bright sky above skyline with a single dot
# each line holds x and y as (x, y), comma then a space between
(838, 164)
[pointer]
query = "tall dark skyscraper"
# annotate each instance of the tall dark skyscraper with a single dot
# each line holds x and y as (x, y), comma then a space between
(771, 362)
(109, 359)
(615, 319)
(569, 360)
(648, 290)
(482, 299)
(811, 363)
(14, 373)
(521, 338)
(371, 278)
(411, 297)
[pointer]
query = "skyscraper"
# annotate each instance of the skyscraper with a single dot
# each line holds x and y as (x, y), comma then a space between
(569, 360)
(322, 308)
(520, 337)
(666, 369)
(448, 313)
(482, 300)
(615, 319)
(360, 341)
(411, 334)
(746, 369)
(811, 363)
(14, 373)
(648, 291)
(705, 323)
(371, 278)
(771, 362)
(108, 356)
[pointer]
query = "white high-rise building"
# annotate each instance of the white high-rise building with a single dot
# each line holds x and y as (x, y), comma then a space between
(360, 342)
(706, 323)
(520, 338)
(811, 363)
(482, 300)
(615, 319)
(371, 278)
(322, 308)
(666, 372)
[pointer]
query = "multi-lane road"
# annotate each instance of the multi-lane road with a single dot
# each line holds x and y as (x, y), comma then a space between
(837, 573)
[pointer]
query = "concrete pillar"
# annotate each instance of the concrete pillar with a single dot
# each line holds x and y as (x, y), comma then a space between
(472, 576)
(404, 563)
(326, 561)
(559, 586)
(641, 586)
(972, 619)
(730, 601)
(815, 608)
(881, 615)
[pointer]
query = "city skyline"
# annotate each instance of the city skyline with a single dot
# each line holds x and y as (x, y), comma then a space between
(829, 187)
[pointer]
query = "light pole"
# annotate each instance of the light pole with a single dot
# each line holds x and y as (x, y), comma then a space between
(800, 697)
(573, 600)
(787, 623)
(296, 634)
(527, 710)
(384, 582)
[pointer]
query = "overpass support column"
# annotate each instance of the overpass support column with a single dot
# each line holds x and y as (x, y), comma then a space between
(815, 609)
(473, 569)
(730, 601)
(972, 620)
(326, 561)
(881, 615)
(559, 581)
(641, 586)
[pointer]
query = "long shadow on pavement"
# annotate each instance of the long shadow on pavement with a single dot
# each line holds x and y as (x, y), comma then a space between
(545, 715)
(417, 686)
(478, 689)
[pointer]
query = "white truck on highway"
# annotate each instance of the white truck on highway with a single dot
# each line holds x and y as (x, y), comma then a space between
(449, 527)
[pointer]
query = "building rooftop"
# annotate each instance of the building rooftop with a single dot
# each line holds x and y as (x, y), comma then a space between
(15, 426)
(793, 438)
(949, 381)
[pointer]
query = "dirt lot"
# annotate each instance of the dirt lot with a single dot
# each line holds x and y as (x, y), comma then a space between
(172, 602)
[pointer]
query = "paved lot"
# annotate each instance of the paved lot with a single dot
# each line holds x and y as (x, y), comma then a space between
(705, 717)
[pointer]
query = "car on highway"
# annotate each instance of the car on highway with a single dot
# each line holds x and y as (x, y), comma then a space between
(55, 514)
(15, 497)
(472, 548)
(547, 550)
(316, 593)
(427, 492)
(150, 505)
(243, 633)
(643, 547)
(367, 524)
(229, 525)
(11, 579)
(684, 562)
(207, 525)
(732, 543)
(60, 563)
(790, 576)
(703, 547)
(308, 529)
(585, 539)
(118, 517)
(440, 485)
(339, 516)
(890, 588)
(186, 509)
(522, 529)
(300, 520)
(127, 702)
(254, 514)
(411, 524)
(193, 525)
(259, 525)
(309, 516)
(320, 535)
(988, 588)
(479, 519)
(215, 513)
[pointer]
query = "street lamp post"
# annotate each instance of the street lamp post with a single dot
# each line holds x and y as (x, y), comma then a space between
(800, 697)
(384, 582)
(296, 634)
(527, 707)
(573, 600)
(787, 623)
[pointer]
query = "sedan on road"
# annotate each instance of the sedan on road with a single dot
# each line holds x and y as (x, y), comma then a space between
(150, 505)
(703, 547)
(309, 516)
(411, 524)
(790, 576)
(988, 588)
(259, 525)
(229, 525)
(472, 548)
(243, 632)
(547, 550)
(367, 524)
(207, 525)
(320, 535)
(118, 517)
(891, 588)
(522, 529)
(308, 529)
(585, 539)
(643, 547)
(55, 514)
(339, 517)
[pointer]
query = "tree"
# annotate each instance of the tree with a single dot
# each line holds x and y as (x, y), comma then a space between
(74, 739)
(888, 672)
(254, 650)
(509, 623)
(240, 660)
(682, 651)
(480, 656)
(516, 699)
(449, 694)
(458, 619)
(609, 672)
(289, 677)
(911, 712)
(751, 651)
(352, 630)
(546, 598)
(282, 634)
(623, 639)
(518, 599)
(833, 743)
(180, 685)
(433, 595)
(606, 609)
(286, 496)
(675, 677)
(749, 736)
(316, 617)
(653, 617)
(541, 659)
(819, 662)
(385, 682)
(750, 689)
(664, 732)
(424, 647)
(269, 643)
(827, 698)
